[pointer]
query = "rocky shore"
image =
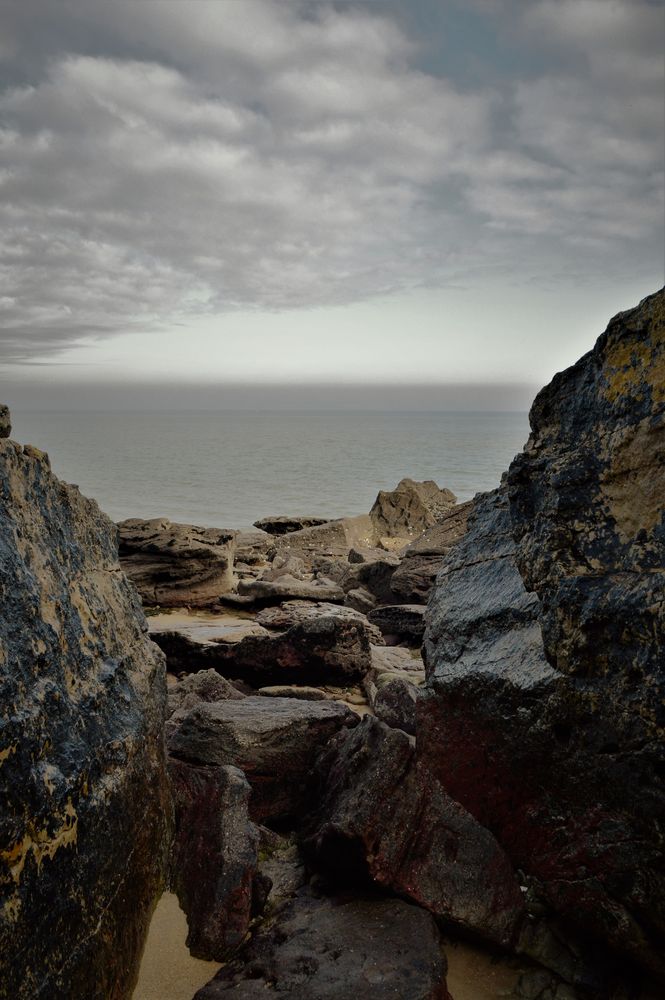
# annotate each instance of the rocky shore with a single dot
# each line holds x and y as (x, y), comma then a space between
(344, 743)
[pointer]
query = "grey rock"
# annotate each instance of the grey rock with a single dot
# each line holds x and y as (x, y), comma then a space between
(421, 561)
(410, 509)
(84, 798)
(173, 565)
(273, 740)
(292, 691)
(288, 588)
(340, 949)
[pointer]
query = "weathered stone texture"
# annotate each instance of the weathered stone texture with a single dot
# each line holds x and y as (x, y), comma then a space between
(84, 802)
(173, 565)
(543, 708)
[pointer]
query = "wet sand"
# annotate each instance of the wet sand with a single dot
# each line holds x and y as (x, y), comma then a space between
(168, 971)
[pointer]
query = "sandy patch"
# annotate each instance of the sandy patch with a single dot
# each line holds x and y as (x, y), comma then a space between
(168, 971)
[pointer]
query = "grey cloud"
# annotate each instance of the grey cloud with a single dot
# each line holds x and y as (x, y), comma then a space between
(160, 160)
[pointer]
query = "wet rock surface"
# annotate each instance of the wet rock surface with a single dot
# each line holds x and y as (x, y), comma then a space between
(84, 800)
(272, 740)
(543, 707)
(340, 948)
(177, 564)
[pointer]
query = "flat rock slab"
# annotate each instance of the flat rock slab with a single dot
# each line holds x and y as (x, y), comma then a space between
(340, 949)
(400, 619)
(273, 740)
(288, 588)
(301, 612)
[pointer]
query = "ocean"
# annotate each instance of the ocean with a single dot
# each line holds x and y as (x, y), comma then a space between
(229, 468)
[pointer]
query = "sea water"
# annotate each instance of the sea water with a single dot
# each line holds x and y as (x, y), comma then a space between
(228, 468)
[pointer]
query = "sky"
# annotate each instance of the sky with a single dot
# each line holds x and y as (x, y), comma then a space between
(451, 196)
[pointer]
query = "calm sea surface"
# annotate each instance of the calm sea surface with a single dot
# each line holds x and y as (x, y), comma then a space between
(229, 468)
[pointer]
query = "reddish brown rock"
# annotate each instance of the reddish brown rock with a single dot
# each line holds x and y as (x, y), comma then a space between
(214, 856)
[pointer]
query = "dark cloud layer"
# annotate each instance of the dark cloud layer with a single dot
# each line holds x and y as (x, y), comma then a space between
(159, 160)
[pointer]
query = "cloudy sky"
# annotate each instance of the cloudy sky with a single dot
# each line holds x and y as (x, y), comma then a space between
(418, 191)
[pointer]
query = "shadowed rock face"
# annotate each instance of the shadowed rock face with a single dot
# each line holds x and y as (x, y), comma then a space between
(337, 949)
(544, 647)
(84, 802)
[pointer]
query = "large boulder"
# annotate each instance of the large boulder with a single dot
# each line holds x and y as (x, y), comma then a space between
(380, 815)
(273, 740)
(84, 799)
(337, 949)
(409, 509)
(214, 857)
(176, 565)
(421, 561)
(543, 714)
(304, 643)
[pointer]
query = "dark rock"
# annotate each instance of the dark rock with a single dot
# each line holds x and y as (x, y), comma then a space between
(421, 561)
(307, 644)
(284, 525)
(273, 740)
(84, 798)
(395, 704)
(340, 949)
(173, 565)
(214, 856)
(5, 421)
(380, 815)
(558, 748)
(400, 619)
(206, 685)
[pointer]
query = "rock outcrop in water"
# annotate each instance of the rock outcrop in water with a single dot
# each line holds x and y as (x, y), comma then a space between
(84, 802)
(544, 707)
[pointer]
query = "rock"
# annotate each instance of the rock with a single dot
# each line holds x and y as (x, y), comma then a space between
(288, 588)
(392, 686)
(557, 747)
(307, 644)
(360, 600)
(421, 561)
(214, 856)
(84, 797)
(206, 685)
(334, 538)
(400, 619)
(285, 565)
(291, 691)
(5, 421)
(284, 525)
(273, 740)
(410, 509)
(395, 704)
(338, 949)
(174, 565)
(380, 815)
(303, 612)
